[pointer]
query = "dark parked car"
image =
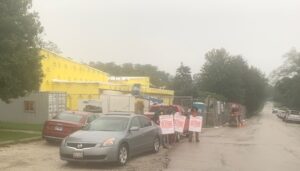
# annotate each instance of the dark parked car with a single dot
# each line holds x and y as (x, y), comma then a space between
(112, 138)
(65, 123)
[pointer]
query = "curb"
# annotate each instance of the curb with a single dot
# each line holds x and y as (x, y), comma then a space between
(167, 159)
(25, 140)
(24, 131)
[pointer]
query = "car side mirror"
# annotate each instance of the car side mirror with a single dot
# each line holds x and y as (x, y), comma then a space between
(135, 128)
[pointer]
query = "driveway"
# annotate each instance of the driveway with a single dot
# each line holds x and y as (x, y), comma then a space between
(265, 143)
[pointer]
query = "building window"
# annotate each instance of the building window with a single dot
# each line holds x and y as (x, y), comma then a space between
(29, 106)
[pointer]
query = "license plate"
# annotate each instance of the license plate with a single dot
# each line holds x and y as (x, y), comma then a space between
(58, 128)
(78, 154)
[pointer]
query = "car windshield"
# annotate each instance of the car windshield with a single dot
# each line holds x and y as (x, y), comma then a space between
(68, 117)
(108, 124)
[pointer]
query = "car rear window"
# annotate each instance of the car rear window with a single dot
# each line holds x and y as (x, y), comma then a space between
(68, 117)
(108, 124)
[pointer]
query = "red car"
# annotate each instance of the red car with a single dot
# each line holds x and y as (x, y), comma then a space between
(65, 123)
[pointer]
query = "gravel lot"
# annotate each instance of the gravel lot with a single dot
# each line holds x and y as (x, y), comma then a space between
(40, 155)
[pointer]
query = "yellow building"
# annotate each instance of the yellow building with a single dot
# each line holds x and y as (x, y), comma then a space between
(81, 81)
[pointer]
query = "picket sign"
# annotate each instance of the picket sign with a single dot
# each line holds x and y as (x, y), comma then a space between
(166, 123)
(195, 124)
(179, 121)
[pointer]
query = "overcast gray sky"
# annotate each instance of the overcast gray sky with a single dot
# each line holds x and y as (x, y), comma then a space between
(167, 32)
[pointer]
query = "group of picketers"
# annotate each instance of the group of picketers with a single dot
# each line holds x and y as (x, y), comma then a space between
(168, 139)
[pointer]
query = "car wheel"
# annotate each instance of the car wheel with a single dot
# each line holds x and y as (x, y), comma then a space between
(123, 155)
(156, 145)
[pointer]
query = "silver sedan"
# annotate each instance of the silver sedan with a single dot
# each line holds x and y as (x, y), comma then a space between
(112, 138)
(292, 116)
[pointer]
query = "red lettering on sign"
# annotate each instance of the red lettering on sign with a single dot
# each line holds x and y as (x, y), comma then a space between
(195, 123)
(166, 124)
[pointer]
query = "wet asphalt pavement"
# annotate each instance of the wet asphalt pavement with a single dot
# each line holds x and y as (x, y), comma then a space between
(264, 144)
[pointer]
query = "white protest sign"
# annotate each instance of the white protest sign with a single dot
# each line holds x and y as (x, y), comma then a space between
(218, 107)
(179, 121)
(195, 124)
(166, 123)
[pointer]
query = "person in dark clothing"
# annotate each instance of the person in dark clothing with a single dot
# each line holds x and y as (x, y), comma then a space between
(235, 112)
(156, 120)
(156, 117)
(194, 113)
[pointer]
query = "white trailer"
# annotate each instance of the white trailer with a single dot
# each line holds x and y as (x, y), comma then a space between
(121, 103)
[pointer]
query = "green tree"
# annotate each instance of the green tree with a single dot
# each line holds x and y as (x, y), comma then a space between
(287, 86)
(256, 89)
(20, 68)
(183, 82)
(223, 74)
(230, 77)
(289, 68)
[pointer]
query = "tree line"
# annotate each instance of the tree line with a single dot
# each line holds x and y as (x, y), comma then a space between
(226, 77)
(158, 78)
(223, 76)
(286, 90)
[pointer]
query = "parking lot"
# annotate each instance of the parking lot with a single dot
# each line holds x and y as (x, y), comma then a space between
(41, 155)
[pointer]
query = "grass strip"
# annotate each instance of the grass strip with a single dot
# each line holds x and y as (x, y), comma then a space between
(21, 126)
(16, 136)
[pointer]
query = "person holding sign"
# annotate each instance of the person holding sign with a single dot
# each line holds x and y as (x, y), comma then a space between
(166, 124)
(194, 125)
